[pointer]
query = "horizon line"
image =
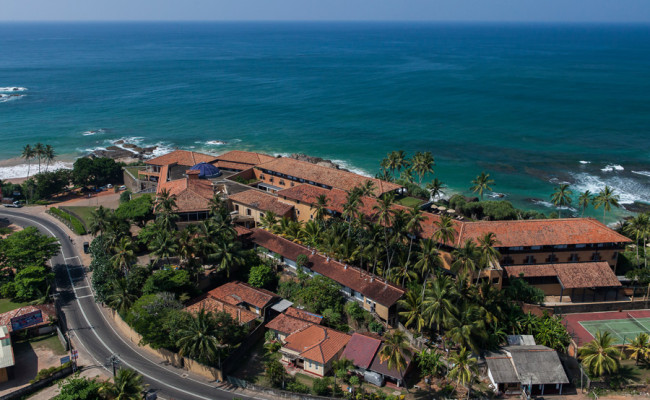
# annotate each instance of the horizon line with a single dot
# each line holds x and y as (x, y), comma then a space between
(317, 21)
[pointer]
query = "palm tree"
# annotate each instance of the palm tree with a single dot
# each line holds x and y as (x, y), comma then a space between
(481, 184)
(28, 154)
(121, 299)
(415, 218)
(467, 328)
(407, 175)
(423, 163)
(428, 258)
(269, 220)
(411, 306)
(367, 189)
(228, 255)
(124, 254)
(600, 356)
(99, 220)
(638, 227)
(165, 207)
(561, 197)
(584, 200)
(39, 151)
(435, 188)
(397, 160)
(639, 348)
(320, 207)
(395, 351)
(465, 258)
(310, 234)
(464, 368)
(49, 155)
(341, 368)
(606, 198)
(164, 246)
(384, 213)
(489, 253)
(216, 204)
(446, 230)
(351, 207)
(199, 340)
(127, 385)
(437, 307)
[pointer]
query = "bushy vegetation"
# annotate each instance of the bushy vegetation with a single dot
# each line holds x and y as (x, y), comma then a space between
(493, 210)
(75, 224)
(24, 273)
(98, 171)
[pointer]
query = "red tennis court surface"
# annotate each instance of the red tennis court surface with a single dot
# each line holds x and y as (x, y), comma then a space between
(582, 336)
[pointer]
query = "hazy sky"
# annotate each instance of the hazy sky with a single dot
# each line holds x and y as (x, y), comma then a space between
(422, 10)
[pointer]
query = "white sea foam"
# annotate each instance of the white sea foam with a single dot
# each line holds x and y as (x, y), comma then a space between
(497, 195)
(585, 162)
(12, 89)
(628, 189)
(548, 204)
(20, 170)
(215, 143)
(351, 168)
(8, 97)
(644, 173)
(94, 132)
(612, 167)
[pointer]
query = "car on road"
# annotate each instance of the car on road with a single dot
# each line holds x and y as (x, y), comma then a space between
(86, 247)
(123, 187)
(15, 204)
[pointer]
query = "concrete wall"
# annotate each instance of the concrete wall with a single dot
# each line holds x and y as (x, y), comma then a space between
(598, 307)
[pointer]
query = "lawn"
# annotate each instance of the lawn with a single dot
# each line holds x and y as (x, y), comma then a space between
(8, 305)
(83, 212)
(51, 342)
(409, 201)
(134, 170)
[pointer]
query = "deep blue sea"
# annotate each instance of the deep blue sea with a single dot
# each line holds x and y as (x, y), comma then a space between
(533, 105)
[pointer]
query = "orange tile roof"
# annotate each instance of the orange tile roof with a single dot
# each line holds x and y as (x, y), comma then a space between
(248, 158)
(261, 201)
(192, 194)
(571, 275)
(354, 278)
(304, 315)
(182, 157)
(335, 178)
(317, 343)
(210, 304)
(237, 292)
(542, 232)
(287, 325)
(361, 350)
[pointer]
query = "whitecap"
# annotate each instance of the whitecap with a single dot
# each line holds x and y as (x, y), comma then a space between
(12, 89)
(20, 170)
(548, 204)
(215, 143)
(612, 167)
(585, 162)
(628, 189)
(497, 195)
(644, 173)
(351, 168)
(93, 132)
(8, 97)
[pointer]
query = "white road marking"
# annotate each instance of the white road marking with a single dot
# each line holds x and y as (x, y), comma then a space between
(82, 287)
(83, 297)
(120, 337)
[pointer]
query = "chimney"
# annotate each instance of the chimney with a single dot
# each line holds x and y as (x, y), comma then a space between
(192, 174)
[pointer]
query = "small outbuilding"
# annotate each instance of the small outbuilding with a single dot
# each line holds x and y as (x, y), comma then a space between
(532, 368)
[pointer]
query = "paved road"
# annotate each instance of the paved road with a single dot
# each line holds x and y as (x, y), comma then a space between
(94, 332)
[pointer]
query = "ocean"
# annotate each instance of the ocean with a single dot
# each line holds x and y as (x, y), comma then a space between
(533, 105)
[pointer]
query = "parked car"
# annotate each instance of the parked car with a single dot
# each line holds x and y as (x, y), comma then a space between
(15, 204)
(123, 187)
(109, 186)
(86, 247)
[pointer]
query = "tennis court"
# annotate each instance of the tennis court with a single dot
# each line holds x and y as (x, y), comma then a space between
(624, 325)
(624, 330)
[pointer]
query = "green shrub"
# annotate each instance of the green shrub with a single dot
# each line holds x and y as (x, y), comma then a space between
(74, 222)
(376, 327)
(321, 387)
(297, 387)
(47, 372)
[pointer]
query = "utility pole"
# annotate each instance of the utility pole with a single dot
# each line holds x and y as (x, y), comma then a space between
(114, 360)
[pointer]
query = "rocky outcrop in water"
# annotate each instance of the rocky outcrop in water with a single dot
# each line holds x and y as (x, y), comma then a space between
(128, 150)
(317, 160)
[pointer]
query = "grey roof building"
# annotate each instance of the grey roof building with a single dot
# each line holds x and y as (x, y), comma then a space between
(538, 368)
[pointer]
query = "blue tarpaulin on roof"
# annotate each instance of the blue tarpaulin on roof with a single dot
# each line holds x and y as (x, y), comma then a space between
(206, 170)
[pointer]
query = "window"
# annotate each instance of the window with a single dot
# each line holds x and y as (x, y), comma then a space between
(560, 246)
(574, 258)
(281, 182)
(601, 245)
(271, 179)
(297, 212)
(551, 258)
(236, 208)
(595, 257)
(614, 255)
(535, 247)
(310, 364)
(248, 211)
(495, 281)
(291, 184)
(516, 248)
(580, 246)
(262, 214)
(530, 260)
(261, 176)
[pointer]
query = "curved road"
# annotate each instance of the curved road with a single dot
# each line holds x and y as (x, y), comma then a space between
(98, 338)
